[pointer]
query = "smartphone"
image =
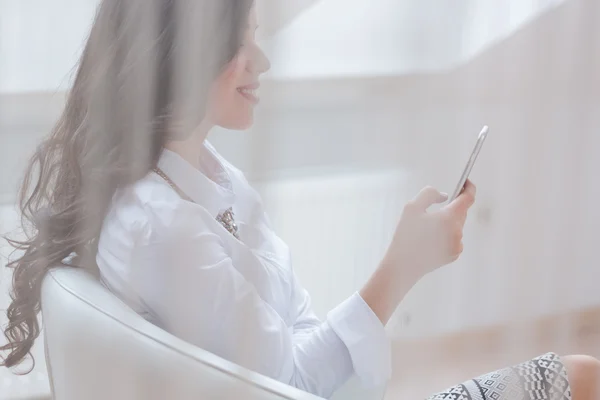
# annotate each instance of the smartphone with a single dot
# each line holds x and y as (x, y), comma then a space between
(469, 166)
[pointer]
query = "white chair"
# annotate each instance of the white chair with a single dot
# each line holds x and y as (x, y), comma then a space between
(97, 348)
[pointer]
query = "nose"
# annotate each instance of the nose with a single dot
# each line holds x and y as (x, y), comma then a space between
(260, 62)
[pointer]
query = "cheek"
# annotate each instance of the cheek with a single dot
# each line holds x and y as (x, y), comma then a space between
(220, 92)
(234, 72)
(228, 82)
(228, 108)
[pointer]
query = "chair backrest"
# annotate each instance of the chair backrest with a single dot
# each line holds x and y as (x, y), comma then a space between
(97, 348)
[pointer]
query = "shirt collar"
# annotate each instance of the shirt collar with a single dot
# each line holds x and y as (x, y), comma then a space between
(216, 194)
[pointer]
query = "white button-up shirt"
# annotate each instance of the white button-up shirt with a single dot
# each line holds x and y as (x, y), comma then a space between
(176, 265)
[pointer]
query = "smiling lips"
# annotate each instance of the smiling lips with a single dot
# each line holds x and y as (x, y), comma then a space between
(249, 92)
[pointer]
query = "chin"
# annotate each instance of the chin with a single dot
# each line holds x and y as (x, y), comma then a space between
(238, 124)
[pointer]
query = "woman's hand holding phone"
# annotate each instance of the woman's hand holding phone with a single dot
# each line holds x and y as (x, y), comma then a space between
(424, 240)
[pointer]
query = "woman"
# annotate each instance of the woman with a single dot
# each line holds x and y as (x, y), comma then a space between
(127, 182)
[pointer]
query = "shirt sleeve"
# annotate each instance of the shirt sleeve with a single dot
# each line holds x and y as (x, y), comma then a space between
(194, 290)
(362, 344)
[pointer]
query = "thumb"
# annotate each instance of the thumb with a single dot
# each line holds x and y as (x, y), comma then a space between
(465, 200)
(428, 197)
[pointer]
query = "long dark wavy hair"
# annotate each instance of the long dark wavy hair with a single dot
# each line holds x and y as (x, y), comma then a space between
(144, 62)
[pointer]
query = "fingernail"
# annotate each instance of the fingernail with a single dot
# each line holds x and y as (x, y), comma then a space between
(444, 196)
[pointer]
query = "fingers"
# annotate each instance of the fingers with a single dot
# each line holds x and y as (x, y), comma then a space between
(456, 252)
(455, 216)
(428, 197)
(470, 189)
(453, 246)
(465, 200)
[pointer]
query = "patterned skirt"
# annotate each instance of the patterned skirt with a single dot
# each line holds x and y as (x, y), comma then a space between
(544, 377)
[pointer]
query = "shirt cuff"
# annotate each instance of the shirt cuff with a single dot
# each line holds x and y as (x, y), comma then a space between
(365, 337)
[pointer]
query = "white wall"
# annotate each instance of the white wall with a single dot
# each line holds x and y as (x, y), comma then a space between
(389, 37)
(40, 40)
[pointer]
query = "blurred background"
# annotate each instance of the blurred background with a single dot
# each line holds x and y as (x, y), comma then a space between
(367, 102)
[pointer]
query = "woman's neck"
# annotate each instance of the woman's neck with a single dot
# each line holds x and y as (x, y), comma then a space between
(191, 147)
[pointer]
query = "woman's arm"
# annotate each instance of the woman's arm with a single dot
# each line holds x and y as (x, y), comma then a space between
(362, 345)
(423, 242)
(188, 280)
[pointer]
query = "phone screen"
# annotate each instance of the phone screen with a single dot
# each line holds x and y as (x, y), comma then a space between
(467, 171)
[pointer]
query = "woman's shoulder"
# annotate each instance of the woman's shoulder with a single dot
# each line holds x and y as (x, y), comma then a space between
(150, 207)
(134, 203)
